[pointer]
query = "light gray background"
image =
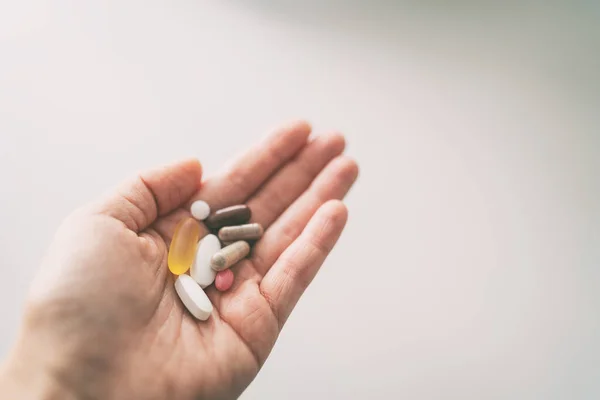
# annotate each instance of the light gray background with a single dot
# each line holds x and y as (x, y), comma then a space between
(469, 268)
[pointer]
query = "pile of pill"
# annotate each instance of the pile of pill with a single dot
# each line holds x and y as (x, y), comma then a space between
(208, 259)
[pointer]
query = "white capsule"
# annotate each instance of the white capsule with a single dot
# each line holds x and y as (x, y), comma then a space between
(200, 210)
(193, 297)
(201, 270)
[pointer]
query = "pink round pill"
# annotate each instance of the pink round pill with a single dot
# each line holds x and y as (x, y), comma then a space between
(224, 280)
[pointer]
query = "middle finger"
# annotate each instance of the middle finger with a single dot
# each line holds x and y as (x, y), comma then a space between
(294, 178)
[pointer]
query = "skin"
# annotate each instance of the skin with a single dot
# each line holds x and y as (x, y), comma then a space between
(103, 321)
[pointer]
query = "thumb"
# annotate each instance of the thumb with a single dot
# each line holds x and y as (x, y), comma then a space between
(139, 201)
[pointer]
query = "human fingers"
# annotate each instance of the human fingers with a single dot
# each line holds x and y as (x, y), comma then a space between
(295, 269)
(332, 183)
(249, 171)
(139, 201)
(244, 176)
(294, 178)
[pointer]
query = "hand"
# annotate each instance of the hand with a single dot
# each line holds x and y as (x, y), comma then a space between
(103, 320)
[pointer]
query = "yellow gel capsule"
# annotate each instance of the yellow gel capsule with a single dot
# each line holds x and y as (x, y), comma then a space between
(183, 246)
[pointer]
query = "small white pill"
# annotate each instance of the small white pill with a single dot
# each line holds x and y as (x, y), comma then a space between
(201, 270)
(200, 210)
(193, 297)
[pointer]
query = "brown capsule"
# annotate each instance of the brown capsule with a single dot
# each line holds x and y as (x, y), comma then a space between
(234, 215)
(229, 255)
(241, 232)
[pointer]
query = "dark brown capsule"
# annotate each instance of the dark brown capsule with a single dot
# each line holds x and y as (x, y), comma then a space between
(234, 215)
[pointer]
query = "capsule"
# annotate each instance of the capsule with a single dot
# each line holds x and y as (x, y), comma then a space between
(183, 246)
(234, 215)
(228, 256)
(241, 232)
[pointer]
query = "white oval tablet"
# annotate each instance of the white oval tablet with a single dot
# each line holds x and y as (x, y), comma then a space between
(193, 297)
(201, 270)
(200, 210)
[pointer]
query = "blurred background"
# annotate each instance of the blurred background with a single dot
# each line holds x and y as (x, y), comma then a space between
(469, 268)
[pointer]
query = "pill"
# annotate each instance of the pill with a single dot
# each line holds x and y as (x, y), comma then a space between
(229, 255)
(241, 232)
(183, 246)
(201, 271)
(224, 280)
(200, 209)
(234, 215)
(193, 297)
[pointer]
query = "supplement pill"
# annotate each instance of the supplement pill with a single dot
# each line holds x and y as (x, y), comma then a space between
(183, 246)
(234, 215)
(201, 271)
(200, 210)
(229, 255)
(193, 297)
(241, 232)
(224, 280)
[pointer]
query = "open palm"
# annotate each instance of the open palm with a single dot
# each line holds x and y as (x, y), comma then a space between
(104, 300)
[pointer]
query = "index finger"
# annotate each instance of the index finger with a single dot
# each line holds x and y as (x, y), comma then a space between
(254, 167)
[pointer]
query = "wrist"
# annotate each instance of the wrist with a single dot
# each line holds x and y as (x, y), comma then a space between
(25, 376)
